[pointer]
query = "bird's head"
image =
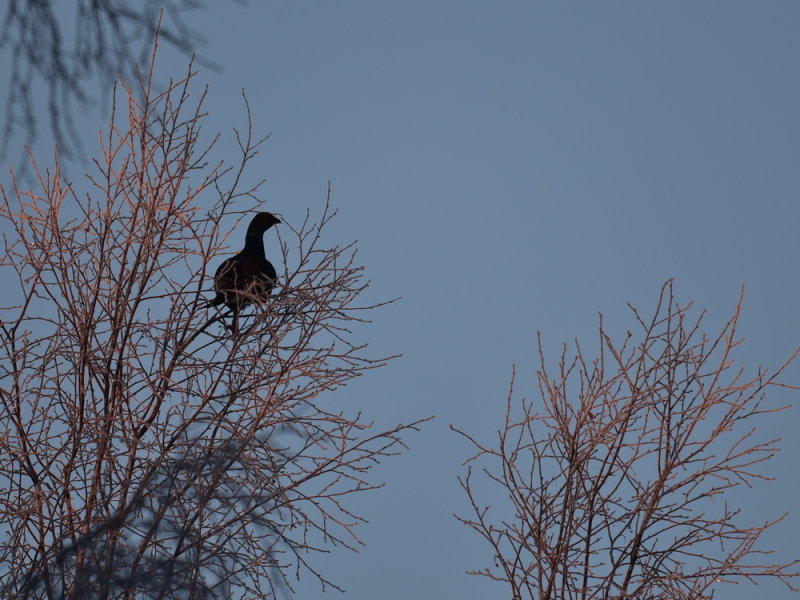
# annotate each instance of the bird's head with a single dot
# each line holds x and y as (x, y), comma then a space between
(261, 222)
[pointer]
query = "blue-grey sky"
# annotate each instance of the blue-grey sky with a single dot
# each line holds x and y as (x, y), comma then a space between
(508, 167)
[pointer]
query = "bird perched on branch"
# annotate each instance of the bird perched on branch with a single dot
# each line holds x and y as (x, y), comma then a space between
(248, 276)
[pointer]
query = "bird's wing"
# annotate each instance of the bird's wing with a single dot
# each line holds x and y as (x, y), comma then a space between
(224, 280)
(269, 270)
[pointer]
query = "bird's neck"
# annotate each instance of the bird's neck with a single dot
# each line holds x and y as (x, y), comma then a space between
(254, 244)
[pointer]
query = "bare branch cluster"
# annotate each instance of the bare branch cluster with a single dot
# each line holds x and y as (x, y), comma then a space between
(619, 487)
(145, 449)
(71, 48)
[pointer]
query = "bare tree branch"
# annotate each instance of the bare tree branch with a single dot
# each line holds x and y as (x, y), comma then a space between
(146, 451)
(617, 487)
(59, 53)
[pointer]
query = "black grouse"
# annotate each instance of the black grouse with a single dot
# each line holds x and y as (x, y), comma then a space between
(248, 276)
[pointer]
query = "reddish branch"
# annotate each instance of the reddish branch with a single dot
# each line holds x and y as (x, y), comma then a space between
(617, 480)
(145, 449)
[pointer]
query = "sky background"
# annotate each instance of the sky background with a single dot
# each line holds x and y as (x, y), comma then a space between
(514, 167)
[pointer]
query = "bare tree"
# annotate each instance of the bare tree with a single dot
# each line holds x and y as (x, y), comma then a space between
(60, 52)
(617, 482)
(145, 449)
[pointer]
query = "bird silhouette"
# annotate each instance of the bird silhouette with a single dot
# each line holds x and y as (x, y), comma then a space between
(248, 276)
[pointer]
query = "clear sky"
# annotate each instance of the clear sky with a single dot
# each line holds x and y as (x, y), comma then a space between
(515, 166)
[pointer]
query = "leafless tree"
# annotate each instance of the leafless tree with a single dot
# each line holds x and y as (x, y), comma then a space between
(60, 52)
(146, 450)
(617, 483)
